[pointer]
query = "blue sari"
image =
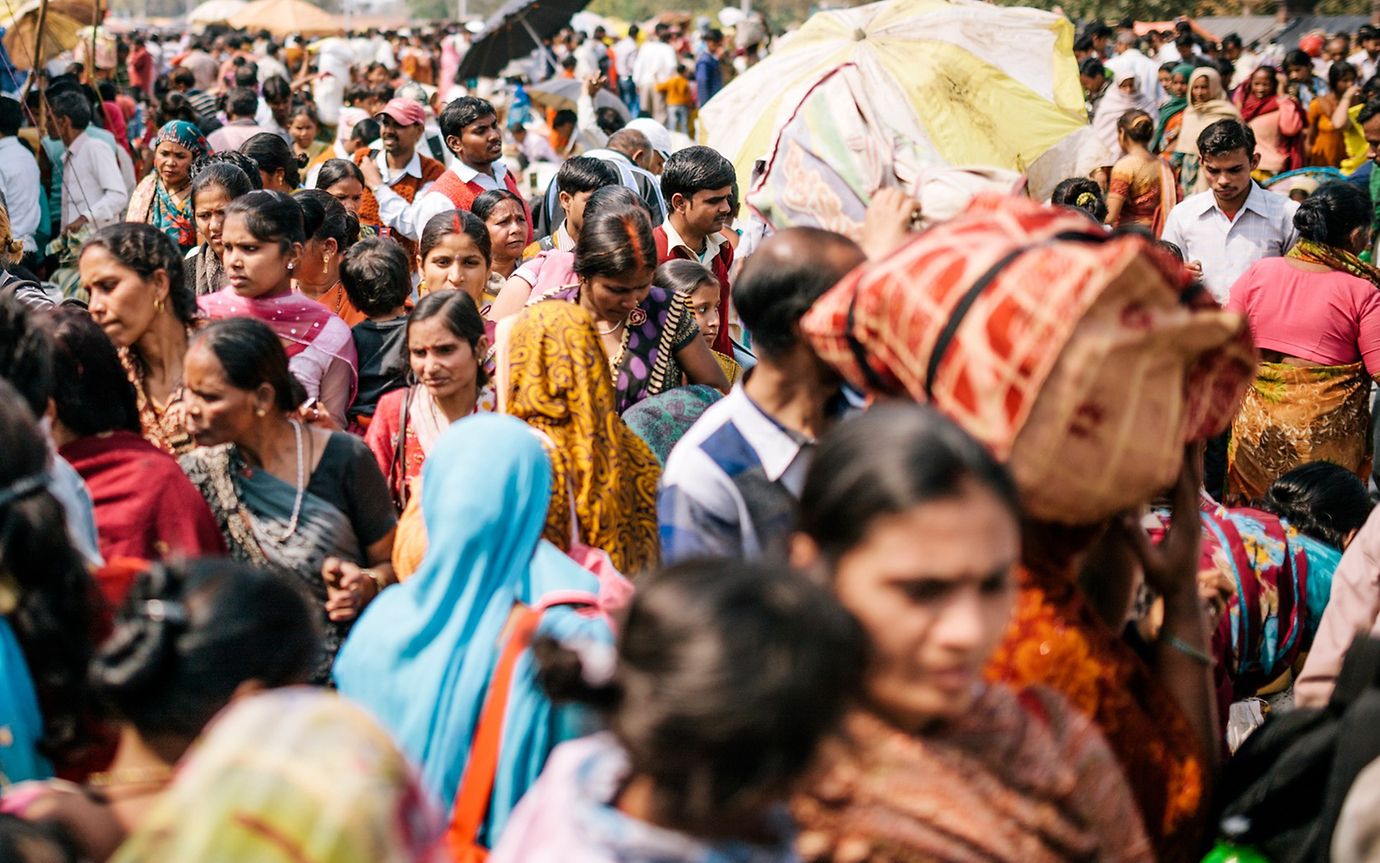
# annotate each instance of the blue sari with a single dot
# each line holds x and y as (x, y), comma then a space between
(421, 656)
(21, 724)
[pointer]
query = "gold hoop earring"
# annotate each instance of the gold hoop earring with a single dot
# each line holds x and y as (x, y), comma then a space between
(158, 305)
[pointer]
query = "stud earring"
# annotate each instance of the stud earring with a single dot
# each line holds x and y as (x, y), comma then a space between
(260, 412)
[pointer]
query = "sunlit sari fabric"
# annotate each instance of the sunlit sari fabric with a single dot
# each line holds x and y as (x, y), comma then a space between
(559, 384)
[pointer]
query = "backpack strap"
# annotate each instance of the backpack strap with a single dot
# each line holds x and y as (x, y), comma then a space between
(1359, 670)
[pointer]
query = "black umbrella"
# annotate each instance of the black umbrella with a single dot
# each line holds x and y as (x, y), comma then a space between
(514, 32)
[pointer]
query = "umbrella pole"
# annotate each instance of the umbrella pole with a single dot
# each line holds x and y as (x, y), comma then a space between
(37, 60)
(522, 19)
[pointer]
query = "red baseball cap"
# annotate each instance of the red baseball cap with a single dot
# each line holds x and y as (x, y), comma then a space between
(405, 112)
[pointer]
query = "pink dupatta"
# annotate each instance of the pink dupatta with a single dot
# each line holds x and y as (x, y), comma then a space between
(297, 321)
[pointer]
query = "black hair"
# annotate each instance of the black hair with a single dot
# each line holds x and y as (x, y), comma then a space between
(92, 393)
(1173, 249)
(375, 275)
(251, 355)
(271, 153)
(1321, 500)
(190, 633)
(365, 130)
(11, 116)
(308, 110)
(221, 167)
(1080, 193)
(1137, 125)
(246, 74)
(325, 218)
(1298, 58)
(1369, 111)
(26, 353)
(176, 106)
(1332, 213)
(616, 235)
(563, 116)
(182, 76)
(56, 611)
(485, 204)
(1231, 40)
(715, 735)
(885, 462)
(584, 174)
(1226, 136)
(271, 217)
(462, 112)
(146, 250)
(450, 222)
(1338, 71)
(695, 169)
(73, 106)
(461, 316)
(276, 89)
(683, 276)
(1092, 68)
(334, 170)
(773, 292)
(19, 837)
(241, 102)
(1083, 43)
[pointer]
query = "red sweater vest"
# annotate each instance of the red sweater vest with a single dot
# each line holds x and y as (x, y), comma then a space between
(462, 194)
(407, 188)
(720, 266)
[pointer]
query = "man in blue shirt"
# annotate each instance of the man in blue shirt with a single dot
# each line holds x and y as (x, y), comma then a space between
(709, 78)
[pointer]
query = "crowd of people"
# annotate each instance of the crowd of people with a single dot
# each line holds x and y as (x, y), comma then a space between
(361, 499)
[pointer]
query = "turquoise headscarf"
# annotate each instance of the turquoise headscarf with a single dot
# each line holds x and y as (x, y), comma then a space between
(421, 656)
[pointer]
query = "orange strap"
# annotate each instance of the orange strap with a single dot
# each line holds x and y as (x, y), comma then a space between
(477, 783)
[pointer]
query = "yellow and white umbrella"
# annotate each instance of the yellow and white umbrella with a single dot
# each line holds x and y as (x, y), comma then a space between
(900, 94)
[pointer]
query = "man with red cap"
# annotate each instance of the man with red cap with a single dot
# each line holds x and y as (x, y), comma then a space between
(472, 133)
(397, 176)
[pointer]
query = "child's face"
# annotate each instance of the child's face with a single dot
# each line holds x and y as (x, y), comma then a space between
(704, 303)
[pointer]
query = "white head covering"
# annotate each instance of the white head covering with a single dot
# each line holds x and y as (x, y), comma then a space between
(656, 135)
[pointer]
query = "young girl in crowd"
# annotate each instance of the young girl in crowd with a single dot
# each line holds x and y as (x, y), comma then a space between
(214, 185)
(454, 254)
(303, 128)
(189, 639)
(264, 240)
(916, 529)
(702, 748)
(342, 180)
(699, 288)
(445, 347)
(374, 275)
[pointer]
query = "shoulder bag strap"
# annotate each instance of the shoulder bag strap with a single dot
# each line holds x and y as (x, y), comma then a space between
(400, 453)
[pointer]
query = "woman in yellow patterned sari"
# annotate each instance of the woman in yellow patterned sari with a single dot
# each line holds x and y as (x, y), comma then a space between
(1315, 315)
(604, 476)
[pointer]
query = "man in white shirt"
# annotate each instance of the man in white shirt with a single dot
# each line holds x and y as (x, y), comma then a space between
(1367, 60)
(470, 125)
(93, 190)
(400, 173)
(1236, 223)
(656, 62)
(19, 178)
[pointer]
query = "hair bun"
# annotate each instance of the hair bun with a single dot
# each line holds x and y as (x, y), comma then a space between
(145, 634)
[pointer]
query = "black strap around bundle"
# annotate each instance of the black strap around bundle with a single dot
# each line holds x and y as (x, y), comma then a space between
(965, 304)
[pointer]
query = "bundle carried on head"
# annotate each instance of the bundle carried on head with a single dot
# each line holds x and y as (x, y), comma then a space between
(1085, 360)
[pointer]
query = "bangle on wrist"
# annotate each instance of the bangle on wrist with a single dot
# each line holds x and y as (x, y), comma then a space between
(1189, 650)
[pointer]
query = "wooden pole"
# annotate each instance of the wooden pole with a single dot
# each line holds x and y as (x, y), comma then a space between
(93, 74)
(36, 63)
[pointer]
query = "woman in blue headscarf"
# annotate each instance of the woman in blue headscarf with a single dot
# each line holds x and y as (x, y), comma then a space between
(423, 657)
(163, 198)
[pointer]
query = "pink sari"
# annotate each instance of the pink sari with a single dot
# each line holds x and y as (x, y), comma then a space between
(301, 324)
